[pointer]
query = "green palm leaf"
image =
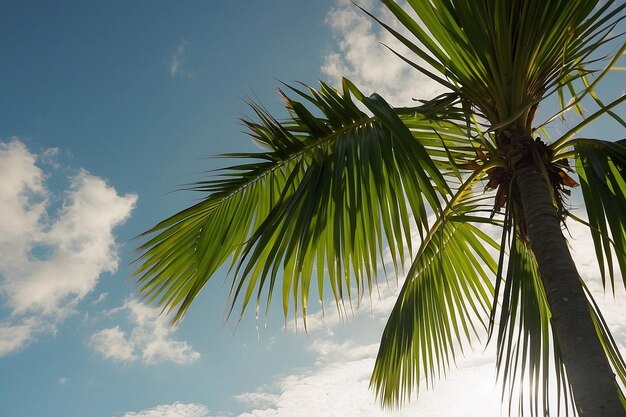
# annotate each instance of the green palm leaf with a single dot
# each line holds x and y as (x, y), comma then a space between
(601, 167)
(447, 288)
(323, 200)
(526, 348)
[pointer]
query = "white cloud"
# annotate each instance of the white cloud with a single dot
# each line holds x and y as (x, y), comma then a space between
(178, 59)
(17, 334)
(259, 399)
(362, 57)
(100, 298)
(48, 157)
(112, 344)
(177, 409)
(51, 259)
(149, 340)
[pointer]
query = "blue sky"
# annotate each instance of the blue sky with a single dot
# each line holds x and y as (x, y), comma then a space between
(106, 108)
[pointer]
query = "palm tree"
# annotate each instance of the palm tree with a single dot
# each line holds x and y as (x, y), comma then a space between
(346, 175)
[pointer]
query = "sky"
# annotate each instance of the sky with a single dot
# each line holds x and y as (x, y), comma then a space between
(107, 109)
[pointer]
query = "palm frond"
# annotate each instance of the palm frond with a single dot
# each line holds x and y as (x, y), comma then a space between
(527, 353)
(601, 167)
(447, 288)
(335, 185)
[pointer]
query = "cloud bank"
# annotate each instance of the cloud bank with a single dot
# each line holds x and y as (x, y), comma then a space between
(51, 258)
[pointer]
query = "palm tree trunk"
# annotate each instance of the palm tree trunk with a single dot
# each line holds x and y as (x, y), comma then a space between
(596, 393)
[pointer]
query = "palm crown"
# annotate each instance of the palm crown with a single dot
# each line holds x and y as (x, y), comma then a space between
(346, 176)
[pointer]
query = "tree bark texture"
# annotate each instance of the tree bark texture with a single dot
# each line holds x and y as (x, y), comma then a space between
(596, 393)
